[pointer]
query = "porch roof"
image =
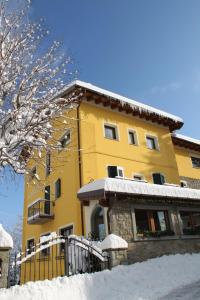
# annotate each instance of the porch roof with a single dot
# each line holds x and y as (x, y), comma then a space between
(99, 188)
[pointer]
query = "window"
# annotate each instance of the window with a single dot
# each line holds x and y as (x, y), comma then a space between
(183, 183)
(190, 222)
(45, 251)
(30, 246)
(110, 132)
(152, 142)
(138, 177)
(66, 231)
(48, 163)
(58, 188)
(65, 140)
(33, 172)
(132, 137)
(158, 178)
(195, 162)
(47, 196)
(114, 171)
(152, 223)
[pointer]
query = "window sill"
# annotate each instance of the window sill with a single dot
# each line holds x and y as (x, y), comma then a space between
(107, 138)
(166, 238)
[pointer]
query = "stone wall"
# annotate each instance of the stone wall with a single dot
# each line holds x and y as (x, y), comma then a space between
(191, 182)
(4, 255)
(143, 250)
(121, 221)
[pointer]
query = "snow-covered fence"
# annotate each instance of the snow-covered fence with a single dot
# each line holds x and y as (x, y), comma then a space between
(60, 256)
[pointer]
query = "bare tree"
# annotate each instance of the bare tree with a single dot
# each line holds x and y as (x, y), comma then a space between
(32, 75)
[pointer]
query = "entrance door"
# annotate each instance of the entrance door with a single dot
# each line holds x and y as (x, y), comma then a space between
(97, 222)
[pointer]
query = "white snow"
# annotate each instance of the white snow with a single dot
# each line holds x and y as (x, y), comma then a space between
(186, 138)
(148, 280)
(99, 187)
(6, 240)
(113, 241)
(123, 99)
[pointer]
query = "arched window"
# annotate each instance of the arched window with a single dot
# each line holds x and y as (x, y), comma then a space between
(1, 267)
(97, 223)
(158, 178)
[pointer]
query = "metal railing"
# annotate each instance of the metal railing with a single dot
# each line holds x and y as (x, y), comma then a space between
(40, 210)
(62, 256)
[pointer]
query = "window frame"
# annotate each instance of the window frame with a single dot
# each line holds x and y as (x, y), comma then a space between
(156, 143)
(57, 197)
(33, 172)
(138, 175)
(47, 251)
(27, 246)
(118, 168)
(130, 130)
(113, 126)
(63, 138)
(162, 174)
(48, 163)
(61, 250)
(151, 221)
(196, 157)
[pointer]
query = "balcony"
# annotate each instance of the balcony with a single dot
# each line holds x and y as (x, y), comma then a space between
(40, 211)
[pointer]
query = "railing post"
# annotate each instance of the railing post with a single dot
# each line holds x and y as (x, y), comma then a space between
(66, 257)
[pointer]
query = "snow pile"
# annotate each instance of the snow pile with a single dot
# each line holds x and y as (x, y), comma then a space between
(113, 241)
(148, 280)
(6, 240)
(100, 186)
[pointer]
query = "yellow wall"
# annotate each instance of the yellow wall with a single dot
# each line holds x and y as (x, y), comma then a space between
(65, 166)
(99, 152)
(184, 163)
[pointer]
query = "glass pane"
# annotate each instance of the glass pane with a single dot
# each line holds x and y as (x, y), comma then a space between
(151, 143)
(141, 221)
(132, 138)
(110, 132)
(162, 221)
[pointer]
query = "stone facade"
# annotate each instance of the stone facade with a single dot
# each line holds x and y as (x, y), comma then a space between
(122, 223)
(4, 257)
(143, 250)
(191, 182)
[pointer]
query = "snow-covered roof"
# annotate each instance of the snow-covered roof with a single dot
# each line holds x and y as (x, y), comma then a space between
(122, 99)
(186, 138)
(100, 187)
(6, 240)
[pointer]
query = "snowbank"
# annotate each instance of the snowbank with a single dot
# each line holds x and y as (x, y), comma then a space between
(148, 280)
(6, 240)
(113, 241)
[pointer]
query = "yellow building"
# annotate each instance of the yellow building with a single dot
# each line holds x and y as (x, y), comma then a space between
(127, 165)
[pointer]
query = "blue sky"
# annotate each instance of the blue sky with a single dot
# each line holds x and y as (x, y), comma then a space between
(147, 50)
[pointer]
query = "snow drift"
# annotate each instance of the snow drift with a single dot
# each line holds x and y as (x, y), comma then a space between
(148, 280)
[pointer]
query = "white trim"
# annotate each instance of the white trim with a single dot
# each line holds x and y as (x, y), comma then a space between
(155, 140)
(62, 138)
(158, 172)
(65, 226)
(195, 156)
(113, 125)
(135, 136)
(139, 175)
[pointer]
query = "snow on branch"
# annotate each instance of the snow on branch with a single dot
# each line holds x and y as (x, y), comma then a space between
(31, 76)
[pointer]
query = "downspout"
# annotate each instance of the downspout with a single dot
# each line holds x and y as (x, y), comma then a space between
(79, 163)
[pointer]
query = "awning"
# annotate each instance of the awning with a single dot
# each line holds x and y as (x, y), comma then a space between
(99, 188)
